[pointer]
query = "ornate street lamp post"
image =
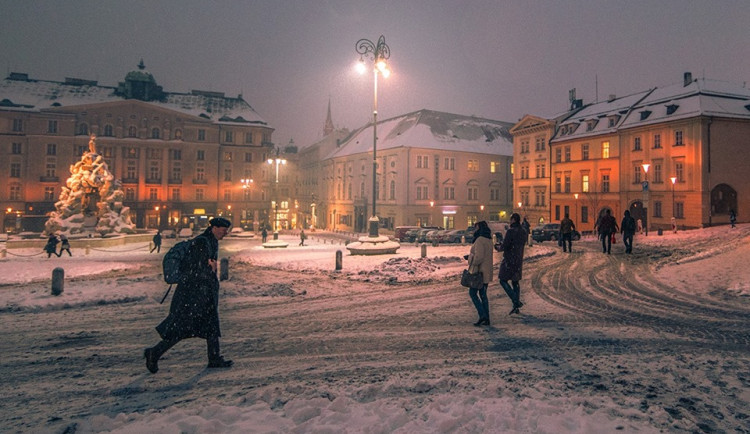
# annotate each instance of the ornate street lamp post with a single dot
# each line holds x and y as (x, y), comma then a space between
(674, 221)
(379, 53)
(644, 184)
(277, 161)
(575, 195)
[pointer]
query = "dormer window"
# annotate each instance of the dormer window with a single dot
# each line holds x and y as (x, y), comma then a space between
(672, 108)
(591, 124)
(645, 114)
(612, 121)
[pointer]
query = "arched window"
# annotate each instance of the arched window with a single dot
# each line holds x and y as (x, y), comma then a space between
(155, 133)
(83, 129)
(108, 130)
(132, 131)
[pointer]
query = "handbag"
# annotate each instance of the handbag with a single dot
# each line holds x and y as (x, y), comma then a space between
(472, 280)
(614, 239)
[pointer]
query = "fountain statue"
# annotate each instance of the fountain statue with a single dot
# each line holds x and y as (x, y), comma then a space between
(91, 200)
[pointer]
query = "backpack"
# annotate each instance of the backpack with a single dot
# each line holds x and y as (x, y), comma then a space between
(173, 259)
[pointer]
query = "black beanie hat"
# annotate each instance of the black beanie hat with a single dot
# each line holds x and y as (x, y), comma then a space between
(220, 222)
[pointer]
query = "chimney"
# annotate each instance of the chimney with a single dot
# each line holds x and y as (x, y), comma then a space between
(687, 79)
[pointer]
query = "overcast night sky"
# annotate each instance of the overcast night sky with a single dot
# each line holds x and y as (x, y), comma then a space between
(496, 59)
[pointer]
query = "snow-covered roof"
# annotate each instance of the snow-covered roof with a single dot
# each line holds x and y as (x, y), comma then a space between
(432, 130)
(597, 118)
(18, 92)
(701, 97)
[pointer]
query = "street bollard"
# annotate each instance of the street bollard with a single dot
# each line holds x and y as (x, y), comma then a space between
(339, 255)
(224, 269)
(3, 253)
(88, 248)
(424, 250)
(58, 281)
(463, 239)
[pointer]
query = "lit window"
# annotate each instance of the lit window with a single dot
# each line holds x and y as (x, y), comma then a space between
(605, 149)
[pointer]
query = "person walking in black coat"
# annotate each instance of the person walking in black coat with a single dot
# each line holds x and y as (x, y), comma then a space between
(157, 242)
(732, 217)
(566, 233)
(51, 246)
(194, 311)
(511, 266)
(64, 245)
(607, 227)
(264, 234)
(627, 228)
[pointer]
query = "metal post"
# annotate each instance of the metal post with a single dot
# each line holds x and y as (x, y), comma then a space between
(58, 281)
(224, 269)
(339, 255)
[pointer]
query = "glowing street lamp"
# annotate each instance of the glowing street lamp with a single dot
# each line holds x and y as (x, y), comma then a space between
(673, 179)
(379, 54)
(575, 195)
(645, 195)
(277, 161)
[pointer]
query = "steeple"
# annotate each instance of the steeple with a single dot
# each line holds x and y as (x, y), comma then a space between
(328, 129)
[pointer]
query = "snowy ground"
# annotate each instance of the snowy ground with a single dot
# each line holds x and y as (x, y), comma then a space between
(657, 341)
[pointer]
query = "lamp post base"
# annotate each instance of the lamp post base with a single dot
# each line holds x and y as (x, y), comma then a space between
(373, 226)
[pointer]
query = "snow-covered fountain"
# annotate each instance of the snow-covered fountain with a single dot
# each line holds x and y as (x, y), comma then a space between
(90, 201)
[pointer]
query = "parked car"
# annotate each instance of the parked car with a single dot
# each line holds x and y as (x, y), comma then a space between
(168, 233)
(453, 236)
(437, 235)
(400, 232)
(550, 232)
(239, 232)
(410, 236)
(422, 234)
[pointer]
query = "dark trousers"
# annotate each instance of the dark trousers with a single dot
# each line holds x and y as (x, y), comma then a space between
(63, 250)
(569, 238)
(606, 242)
(514, 293)
(627, 239)
(157, 247)
(212, 344)
(483, 305)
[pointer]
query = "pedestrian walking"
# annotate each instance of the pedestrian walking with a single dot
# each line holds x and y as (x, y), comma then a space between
(157, 242)
(527, 227)
(628, 228)
(732, 217)
(264, 234)
(194, 311)
(480, 260)
(302, 237)
(512, 263)
(566, 231)
(607, 226)
(51, 246)
(64, 245)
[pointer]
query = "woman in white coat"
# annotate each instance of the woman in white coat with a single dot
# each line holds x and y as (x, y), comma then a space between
(480, 259)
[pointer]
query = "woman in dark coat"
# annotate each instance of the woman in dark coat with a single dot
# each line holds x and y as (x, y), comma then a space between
(194, 311)
(51, 246)
(512, 263)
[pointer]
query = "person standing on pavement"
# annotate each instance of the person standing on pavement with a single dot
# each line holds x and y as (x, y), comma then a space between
(157, 242)
(732, 217)
(566, 230)
(607, 227)
(194, 311)
(627, 228)
(480, 260)
(51, 246)
(527, 227)
(264, 234)
(64, 245)
(512, 263)
(302, 237)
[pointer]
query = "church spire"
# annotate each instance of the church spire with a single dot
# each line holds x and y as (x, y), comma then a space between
(328, 129)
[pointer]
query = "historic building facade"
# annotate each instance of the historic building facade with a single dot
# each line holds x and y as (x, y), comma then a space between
(181, 158)
(667, 155)
(433, 169)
